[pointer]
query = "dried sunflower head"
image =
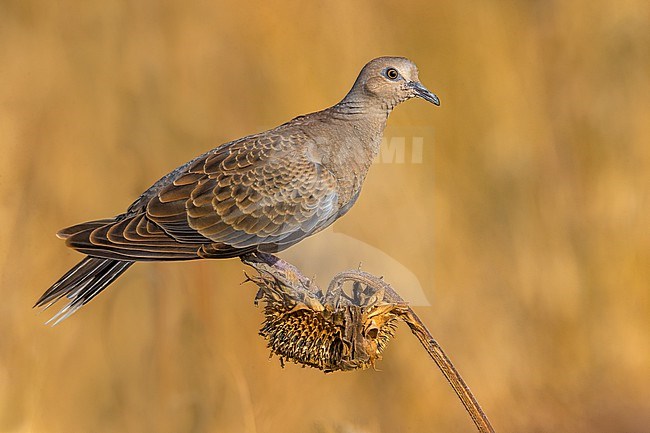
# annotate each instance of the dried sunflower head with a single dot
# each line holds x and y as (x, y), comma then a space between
(335, 330)
(347, 338)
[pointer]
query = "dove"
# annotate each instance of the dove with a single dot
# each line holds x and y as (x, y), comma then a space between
(261, 193)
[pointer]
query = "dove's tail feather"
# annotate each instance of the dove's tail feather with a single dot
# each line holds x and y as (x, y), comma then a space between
(81, 284)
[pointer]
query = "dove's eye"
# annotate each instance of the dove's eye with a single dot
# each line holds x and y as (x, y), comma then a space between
(391, 73)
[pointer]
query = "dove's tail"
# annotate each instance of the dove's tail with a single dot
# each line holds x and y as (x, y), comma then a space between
(81, 284)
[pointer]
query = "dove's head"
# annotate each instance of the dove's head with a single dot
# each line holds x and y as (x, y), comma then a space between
(386, 81)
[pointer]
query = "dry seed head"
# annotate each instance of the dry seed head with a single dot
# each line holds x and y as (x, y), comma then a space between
(346, 339)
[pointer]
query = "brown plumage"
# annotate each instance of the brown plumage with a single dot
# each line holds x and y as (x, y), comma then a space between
(264, 192)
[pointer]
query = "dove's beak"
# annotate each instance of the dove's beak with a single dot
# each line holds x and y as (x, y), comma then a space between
(424, 93)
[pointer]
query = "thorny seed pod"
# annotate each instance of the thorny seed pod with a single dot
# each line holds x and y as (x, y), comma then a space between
(344, 338)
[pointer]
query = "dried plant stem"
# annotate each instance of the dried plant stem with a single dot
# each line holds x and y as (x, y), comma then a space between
(447, 367)
(336, 331)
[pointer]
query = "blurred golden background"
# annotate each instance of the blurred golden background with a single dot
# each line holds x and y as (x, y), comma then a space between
(526, 222)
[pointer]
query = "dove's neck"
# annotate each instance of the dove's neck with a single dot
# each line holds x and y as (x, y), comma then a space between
(355, 131)
(363, 119)
(358, 104)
